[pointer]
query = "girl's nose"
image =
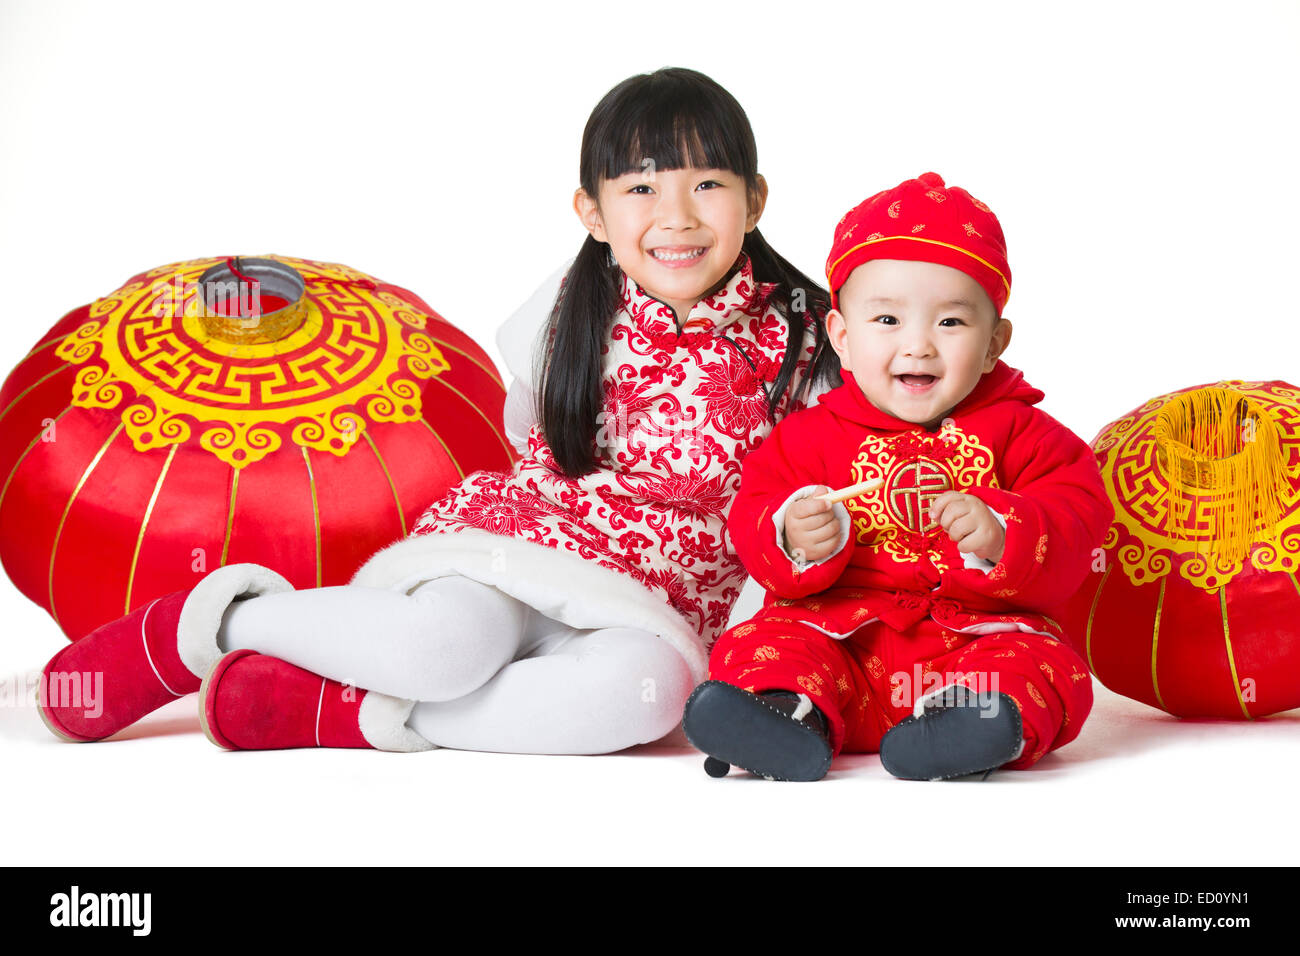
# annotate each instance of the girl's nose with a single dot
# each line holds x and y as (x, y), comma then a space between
(675, 210)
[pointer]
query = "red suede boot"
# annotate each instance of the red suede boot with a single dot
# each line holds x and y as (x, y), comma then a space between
(251, 701)
(130, 667)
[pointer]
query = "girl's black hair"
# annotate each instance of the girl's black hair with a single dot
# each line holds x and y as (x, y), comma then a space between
(678, 118)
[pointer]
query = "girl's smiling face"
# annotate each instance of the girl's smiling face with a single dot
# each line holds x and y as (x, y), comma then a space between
(676, 232)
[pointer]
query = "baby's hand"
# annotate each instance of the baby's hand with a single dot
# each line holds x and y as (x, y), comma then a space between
(970, 523)
(810, 528)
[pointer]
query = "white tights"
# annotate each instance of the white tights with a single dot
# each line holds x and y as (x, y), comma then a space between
(490, 672)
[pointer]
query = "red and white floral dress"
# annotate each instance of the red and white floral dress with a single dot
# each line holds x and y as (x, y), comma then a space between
(640, 541)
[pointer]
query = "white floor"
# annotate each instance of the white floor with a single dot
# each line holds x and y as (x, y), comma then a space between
(1137, 787)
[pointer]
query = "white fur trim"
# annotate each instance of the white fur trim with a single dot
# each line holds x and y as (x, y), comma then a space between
(517, 337)
(804, 708)
(200, 620)
(840, 512)
(558, 584)
(382, 721)
(519, 415)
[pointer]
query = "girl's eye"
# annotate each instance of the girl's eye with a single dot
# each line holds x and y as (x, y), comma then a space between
(708, 183)
(641, 186)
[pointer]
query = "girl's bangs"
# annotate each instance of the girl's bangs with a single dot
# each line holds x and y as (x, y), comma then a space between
(677, 136)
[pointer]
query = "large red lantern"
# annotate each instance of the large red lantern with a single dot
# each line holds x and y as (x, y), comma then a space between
(1194, 605)
(288, 412)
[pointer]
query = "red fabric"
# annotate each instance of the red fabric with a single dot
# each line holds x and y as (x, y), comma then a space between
(1232, 653)
(868, 682)
(117, 674)
(682, 410)
(923, 219)
(91, 526)
(1018, 460)
(256, 702)
(898, 592)
(901, 575)
(1160, 618)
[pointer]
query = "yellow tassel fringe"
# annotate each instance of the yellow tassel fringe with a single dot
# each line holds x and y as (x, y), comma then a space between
(1217, 446)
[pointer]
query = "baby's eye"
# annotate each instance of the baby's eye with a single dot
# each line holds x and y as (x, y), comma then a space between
(951, 319)
(885, 320)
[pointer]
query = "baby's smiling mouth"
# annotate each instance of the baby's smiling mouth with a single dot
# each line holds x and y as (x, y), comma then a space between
(917, 381)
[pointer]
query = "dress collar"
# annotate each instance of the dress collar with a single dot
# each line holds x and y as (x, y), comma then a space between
(737, 296)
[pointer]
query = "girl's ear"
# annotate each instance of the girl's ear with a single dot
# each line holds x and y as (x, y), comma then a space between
(757, 200)
(589, 214)
(838, 332)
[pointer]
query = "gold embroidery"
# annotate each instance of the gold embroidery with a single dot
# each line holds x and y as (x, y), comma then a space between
(916, 469)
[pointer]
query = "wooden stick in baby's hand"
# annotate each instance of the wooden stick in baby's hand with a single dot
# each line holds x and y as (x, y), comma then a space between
(852, 491)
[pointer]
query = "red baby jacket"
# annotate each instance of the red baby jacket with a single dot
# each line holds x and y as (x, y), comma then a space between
(898, 565)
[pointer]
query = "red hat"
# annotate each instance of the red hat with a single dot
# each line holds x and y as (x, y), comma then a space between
(923, 220)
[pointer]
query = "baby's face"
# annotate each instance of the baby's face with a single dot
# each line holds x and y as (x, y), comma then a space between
(917, 336)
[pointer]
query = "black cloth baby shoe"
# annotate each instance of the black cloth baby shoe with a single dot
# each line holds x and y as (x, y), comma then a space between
(959, 732)
(779, 735)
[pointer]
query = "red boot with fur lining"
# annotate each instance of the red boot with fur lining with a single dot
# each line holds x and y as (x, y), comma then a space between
(130, 667)
(252, 701)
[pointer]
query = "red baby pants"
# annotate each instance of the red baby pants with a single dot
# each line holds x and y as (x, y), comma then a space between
(869, 681)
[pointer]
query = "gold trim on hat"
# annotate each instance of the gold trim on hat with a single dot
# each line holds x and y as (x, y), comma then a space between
(933, 242)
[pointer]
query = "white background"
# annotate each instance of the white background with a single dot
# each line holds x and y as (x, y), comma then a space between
(1141, 158)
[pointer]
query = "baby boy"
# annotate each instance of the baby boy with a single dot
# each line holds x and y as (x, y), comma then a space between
(909, 615)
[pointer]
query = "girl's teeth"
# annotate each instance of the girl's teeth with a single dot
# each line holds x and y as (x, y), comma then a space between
(677, 256)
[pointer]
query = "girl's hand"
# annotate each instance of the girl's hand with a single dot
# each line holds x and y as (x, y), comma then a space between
(810, 528)
(969, 523)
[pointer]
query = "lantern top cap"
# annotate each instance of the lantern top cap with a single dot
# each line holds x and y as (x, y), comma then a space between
(235, 291)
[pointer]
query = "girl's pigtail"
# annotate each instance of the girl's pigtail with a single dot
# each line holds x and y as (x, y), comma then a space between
(804, 303)
(570, 365)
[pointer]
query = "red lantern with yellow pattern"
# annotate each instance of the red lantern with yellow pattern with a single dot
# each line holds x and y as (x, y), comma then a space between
(288, 412)
(1194, 606)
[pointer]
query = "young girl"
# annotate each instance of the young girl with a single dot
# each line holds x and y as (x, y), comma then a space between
(565, 607)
